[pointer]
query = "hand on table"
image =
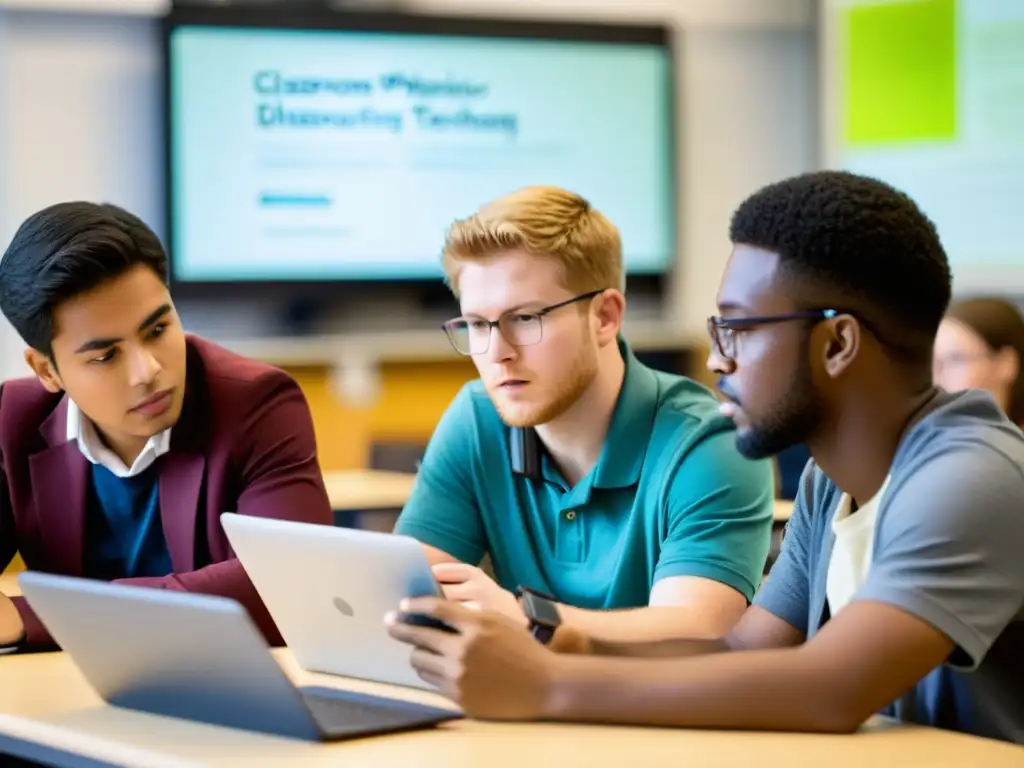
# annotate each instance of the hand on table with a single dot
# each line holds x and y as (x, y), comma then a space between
(474, 589)
(493, 668)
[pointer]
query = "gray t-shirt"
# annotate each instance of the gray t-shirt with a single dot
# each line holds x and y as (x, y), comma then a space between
(948, 548)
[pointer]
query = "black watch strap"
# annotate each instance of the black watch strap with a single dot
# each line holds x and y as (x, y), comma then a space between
(542, 612)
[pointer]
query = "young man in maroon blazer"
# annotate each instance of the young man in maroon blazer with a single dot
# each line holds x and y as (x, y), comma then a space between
(119, 455)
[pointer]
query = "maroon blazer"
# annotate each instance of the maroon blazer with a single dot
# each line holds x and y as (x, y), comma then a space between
(244, 443)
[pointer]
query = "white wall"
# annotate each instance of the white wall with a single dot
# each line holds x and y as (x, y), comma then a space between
(84, 104)
(80, 94)
(81, 105)
(751, 118)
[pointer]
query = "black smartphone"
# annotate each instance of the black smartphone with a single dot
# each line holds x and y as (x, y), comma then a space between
(422, 620)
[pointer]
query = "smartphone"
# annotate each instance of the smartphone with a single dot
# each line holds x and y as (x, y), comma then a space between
(422, 620)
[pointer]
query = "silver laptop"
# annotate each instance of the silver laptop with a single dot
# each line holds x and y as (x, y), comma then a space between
(200, 657)
(328, 589)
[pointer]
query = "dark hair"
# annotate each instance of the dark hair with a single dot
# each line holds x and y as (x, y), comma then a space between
(856, 240)
(63, 251)
(1000, 325)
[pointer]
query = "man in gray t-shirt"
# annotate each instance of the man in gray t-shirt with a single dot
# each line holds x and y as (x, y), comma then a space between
(948, 549)
(900, 584)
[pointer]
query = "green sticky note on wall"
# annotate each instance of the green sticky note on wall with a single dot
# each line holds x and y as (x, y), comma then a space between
(900, 72)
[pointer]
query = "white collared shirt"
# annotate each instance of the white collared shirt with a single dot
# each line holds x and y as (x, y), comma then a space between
(89, 443)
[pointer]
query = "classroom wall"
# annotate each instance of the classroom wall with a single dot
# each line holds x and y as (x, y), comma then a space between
(80, 97)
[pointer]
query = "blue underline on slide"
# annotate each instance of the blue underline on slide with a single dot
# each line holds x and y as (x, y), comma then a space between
(294, 199)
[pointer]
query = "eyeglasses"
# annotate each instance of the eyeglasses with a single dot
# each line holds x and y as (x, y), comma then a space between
(723, 330)
(471, 335)
(956, 360)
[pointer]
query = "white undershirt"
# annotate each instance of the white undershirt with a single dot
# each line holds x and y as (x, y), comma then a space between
(81, 429)
(851, 553)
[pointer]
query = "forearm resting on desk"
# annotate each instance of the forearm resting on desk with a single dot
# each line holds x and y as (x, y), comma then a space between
(763, 690)
(791, 684)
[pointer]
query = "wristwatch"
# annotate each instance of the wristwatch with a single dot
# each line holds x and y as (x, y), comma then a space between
(541, 611)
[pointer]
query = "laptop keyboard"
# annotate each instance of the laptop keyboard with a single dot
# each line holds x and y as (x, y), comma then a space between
(346, 713)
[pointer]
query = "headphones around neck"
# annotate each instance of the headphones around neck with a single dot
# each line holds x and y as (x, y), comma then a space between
(525, 451)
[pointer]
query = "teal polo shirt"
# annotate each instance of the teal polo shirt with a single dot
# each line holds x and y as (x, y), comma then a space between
(669, 496)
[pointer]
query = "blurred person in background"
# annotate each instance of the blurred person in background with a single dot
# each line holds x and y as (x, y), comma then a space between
(980, 345)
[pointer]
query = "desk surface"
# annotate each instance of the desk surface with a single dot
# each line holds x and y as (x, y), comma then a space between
(44, 700)
(361, 489)
(783, 510)
(9, 584)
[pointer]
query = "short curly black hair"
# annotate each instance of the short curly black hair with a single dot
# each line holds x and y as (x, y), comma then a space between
(854, 239)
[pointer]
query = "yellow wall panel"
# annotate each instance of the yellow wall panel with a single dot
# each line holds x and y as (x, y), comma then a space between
(412, 398)
(414, 395)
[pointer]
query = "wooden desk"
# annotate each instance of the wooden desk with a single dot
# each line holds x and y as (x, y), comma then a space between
(369, 499)
(363, 489)
(44, 701)
(9, 584)
(783, 510)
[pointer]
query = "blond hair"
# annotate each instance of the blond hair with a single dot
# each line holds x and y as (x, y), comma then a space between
(543, 221)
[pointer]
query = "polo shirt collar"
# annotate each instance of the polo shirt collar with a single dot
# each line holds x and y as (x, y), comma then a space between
(629, 434)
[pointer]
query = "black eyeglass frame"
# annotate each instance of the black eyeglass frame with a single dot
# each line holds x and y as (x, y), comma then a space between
(717, 323)
(492, 324)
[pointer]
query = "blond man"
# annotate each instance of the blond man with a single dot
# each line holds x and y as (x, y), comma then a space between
(608, 495)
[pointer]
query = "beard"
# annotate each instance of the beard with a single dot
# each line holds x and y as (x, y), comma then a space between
(578, 376)
(793, 420)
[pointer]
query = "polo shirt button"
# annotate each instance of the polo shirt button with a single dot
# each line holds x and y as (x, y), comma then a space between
(570, 515)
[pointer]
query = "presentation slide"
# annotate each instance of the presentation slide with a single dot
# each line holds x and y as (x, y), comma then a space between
(327, 155)
(931, 99)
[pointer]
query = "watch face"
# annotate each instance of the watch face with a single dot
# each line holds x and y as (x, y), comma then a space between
(541, 611)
